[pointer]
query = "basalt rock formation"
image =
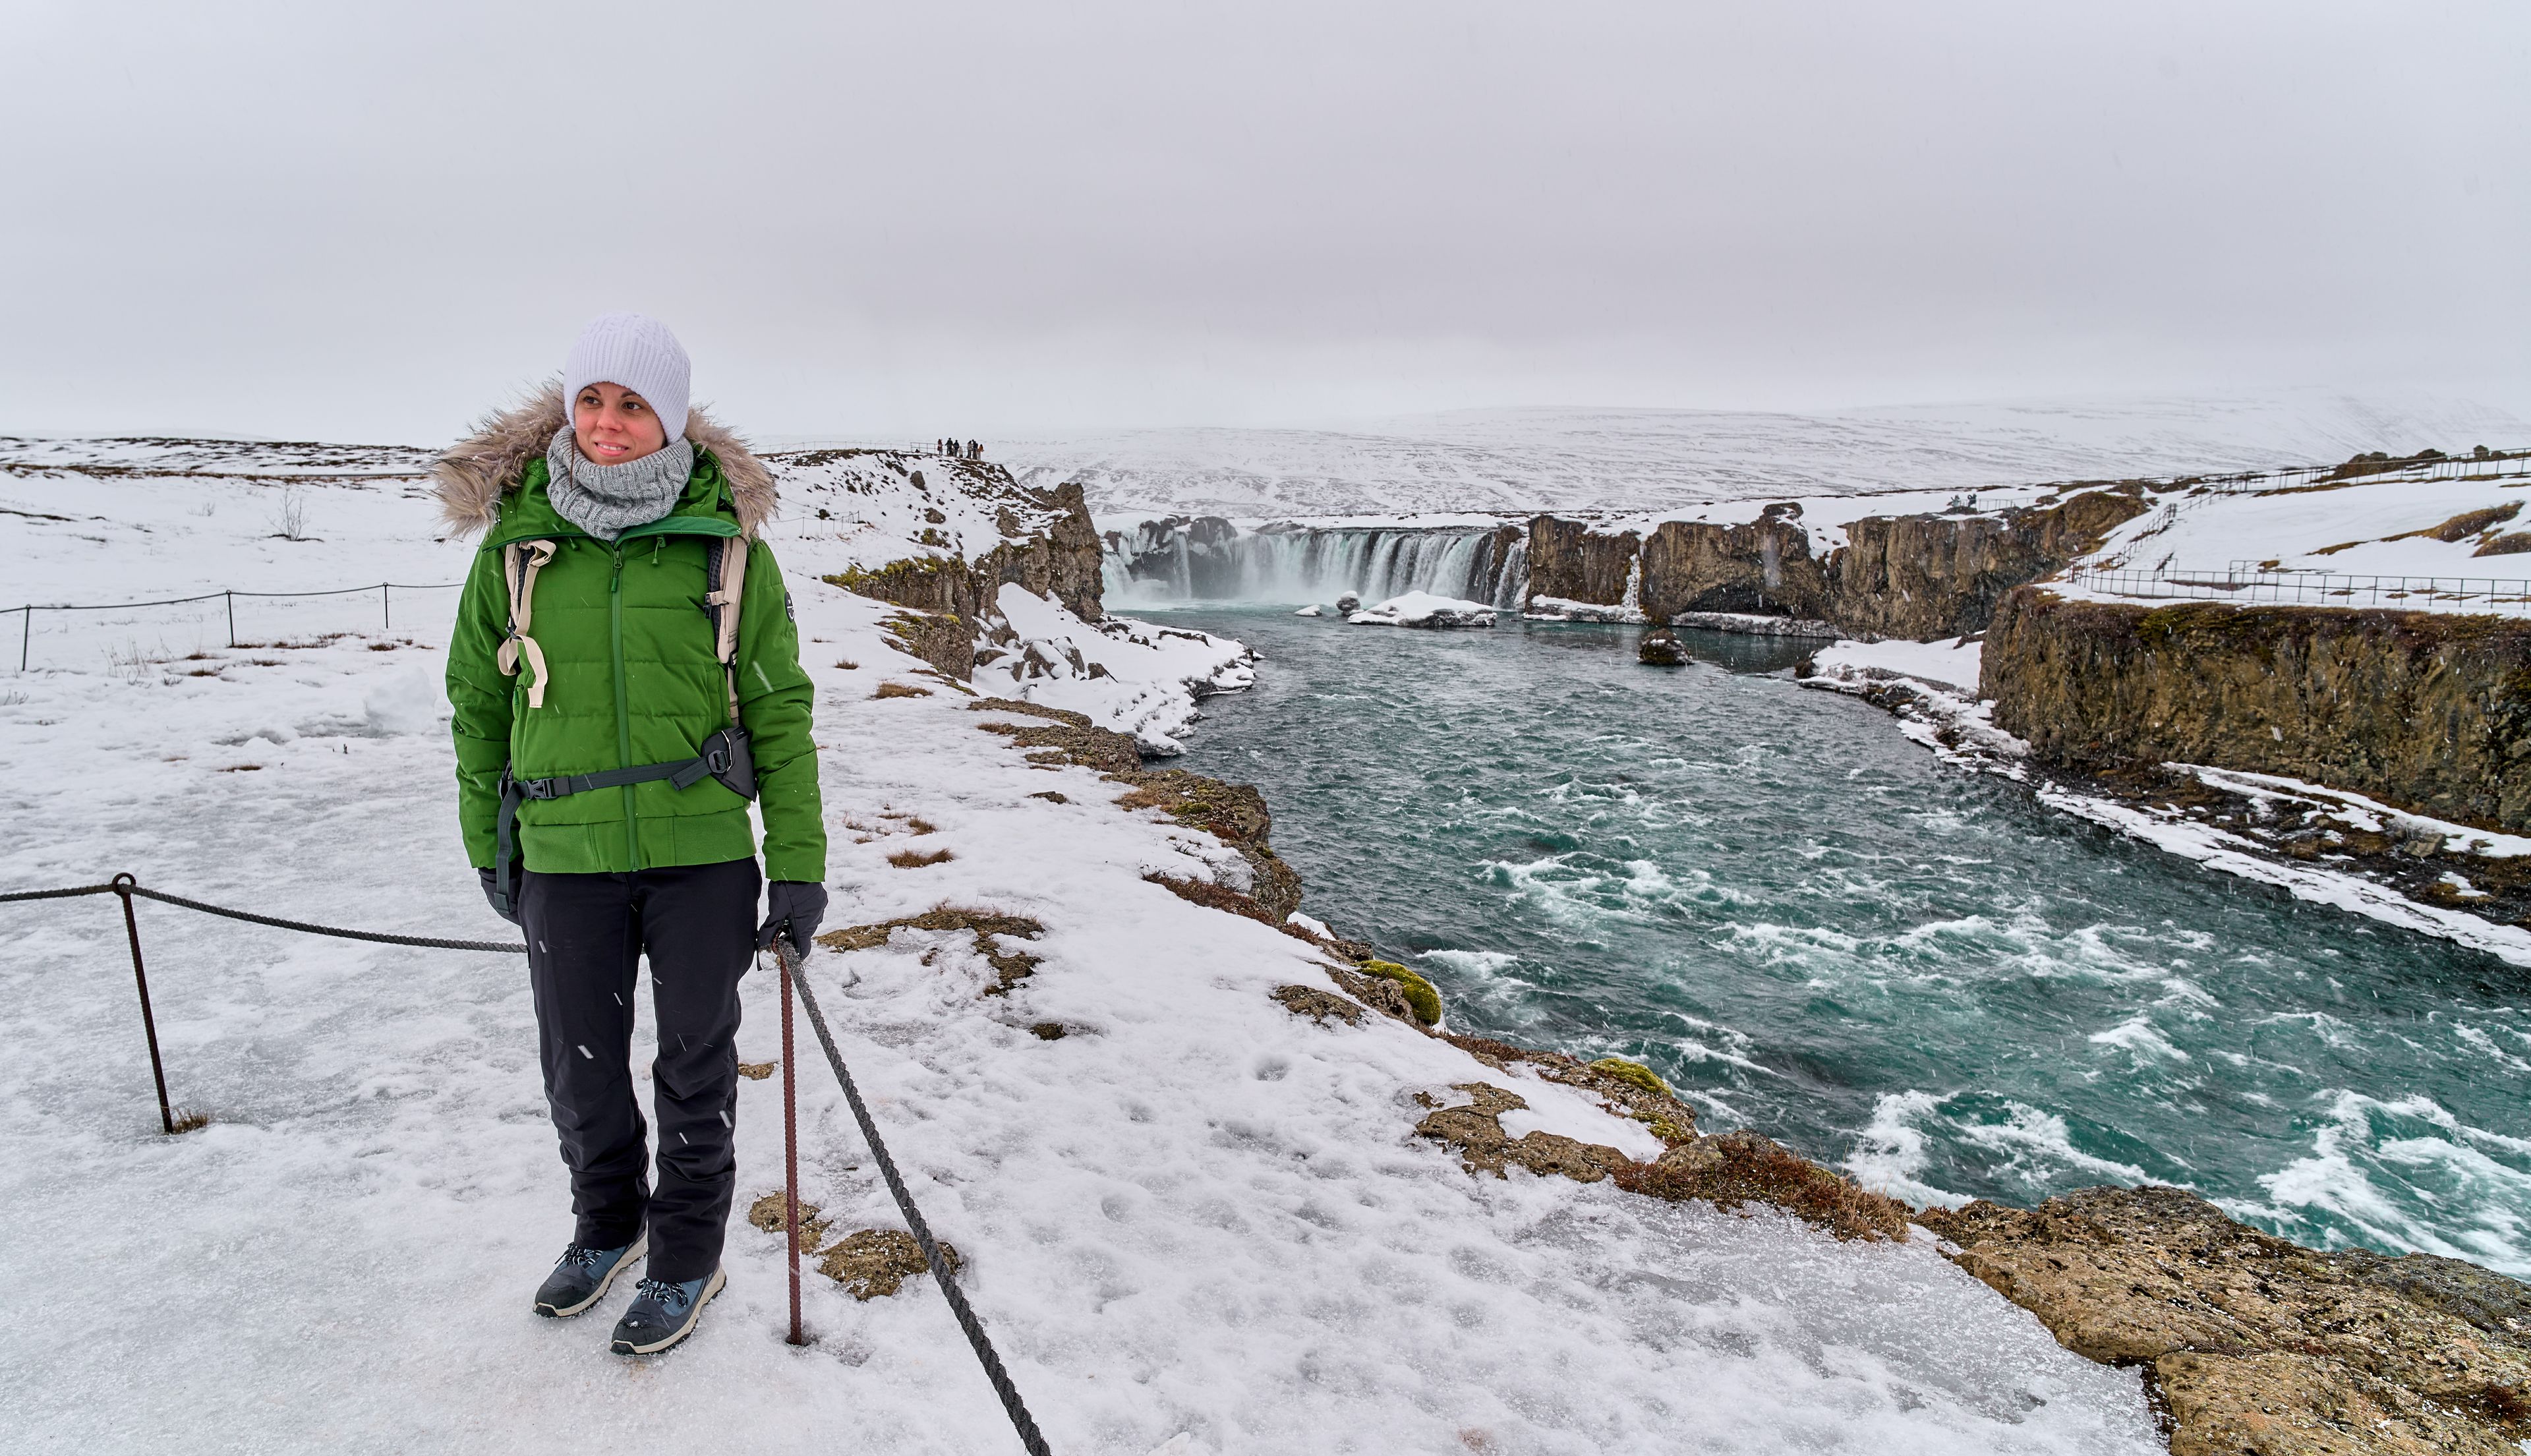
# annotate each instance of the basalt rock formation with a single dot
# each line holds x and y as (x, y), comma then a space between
(2427, 712)
(1920, 576)
(1569, 560)
(1927, 577)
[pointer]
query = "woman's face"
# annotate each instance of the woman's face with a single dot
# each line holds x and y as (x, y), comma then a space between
(614, 426)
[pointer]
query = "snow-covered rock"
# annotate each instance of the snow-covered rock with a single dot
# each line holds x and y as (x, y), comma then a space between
(1424, 609)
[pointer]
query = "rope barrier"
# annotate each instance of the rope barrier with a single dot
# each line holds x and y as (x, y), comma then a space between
(126, 886)
(958, 1307)
(119, 886)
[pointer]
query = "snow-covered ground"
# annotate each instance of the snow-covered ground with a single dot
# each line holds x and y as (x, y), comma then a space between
(1634, 461)
(1193, 1216)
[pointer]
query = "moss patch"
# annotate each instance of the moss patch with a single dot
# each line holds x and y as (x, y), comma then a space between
(1634, 1072)
(1420, 994)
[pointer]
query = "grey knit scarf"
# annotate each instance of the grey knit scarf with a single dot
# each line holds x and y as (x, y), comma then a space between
(607, 500)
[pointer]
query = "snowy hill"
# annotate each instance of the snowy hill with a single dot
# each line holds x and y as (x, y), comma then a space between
(1519, 461)
(1188, 1215)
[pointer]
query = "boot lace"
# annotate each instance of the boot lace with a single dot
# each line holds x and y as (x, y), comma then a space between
(669, 1297)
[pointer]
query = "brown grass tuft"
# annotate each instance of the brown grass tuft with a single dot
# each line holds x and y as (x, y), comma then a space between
(916, 858)
(1742, 1167)
(901, 689)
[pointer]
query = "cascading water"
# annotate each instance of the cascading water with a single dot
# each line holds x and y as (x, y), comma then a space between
(1211, 559)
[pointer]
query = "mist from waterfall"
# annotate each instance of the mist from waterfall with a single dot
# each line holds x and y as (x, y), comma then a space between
(1211, 559)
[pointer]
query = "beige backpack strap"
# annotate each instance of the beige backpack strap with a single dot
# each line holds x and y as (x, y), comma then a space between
(520, 563)
(723, 602)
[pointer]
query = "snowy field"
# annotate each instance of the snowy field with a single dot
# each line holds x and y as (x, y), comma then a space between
(1635, 461)
(1193, 1215)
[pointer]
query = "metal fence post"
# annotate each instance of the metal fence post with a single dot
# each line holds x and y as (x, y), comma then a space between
(123, 884)
(25, 633)
(386, 619)
(232, 600)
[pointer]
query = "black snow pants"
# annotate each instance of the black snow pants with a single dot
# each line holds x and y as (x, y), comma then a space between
(586, 935)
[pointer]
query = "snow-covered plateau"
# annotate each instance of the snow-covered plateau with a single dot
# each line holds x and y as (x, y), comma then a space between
(1191, 1219)
(1518, 461)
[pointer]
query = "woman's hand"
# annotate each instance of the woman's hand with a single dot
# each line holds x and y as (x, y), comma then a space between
(492, 895)
(793, 904)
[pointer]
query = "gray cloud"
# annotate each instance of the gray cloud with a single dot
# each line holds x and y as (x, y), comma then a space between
(363, 221)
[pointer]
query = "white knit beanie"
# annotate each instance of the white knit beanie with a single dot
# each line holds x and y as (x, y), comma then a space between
(637, 352)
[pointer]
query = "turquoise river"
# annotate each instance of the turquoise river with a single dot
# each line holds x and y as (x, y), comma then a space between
(1813, 927)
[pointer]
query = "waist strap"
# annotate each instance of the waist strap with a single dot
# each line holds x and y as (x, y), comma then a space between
(725, 756)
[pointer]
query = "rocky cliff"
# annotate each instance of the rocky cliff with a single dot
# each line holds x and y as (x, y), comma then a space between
(973, 528)
(1925, 577)
(1763, 568)
(1916, 576)
(1567, 559)
(2427, 712)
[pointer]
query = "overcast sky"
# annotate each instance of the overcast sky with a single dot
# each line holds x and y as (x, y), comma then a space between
(369, 222)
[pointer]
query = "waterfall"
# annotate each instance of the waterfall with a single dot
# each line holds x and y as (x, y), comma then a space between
(1210, 559)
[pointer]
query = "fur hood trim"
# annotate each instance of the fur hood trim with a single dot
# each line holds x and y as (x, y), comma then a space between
(473, 475)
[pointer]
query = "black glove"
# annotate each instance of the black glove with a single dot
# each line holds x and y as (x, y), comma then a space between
(492, 895)
(796, 903)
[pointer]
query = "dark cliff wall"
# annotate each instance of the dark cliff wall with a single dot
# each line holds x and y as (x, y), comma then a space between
(2427, 712)
(1567, 559)
(1695, 566)
(1925, 577)
(1921, 577)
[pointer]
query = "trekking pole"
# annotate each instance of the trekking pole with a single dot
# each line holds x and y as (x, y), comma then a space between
(123, 884)
(790, 1147)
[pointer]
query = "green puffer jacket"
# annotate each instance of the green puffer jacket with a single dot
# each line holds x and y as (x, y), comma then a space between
(634, 678)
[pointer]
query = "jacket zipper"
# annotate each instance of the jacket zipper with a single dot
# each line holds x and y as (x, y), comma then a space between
(623, 707)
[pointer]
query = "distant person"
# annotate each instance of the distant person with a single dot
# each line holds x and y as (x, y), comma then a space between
(974, 451)
(611, 724)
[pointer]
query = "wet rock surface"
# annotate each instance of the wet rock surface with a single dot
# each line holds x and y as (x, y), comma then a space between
(2255, 1344)
(1661, 647)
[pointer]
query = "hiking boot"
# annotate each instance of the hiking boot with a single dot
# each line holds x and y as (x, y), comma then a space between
(582, 1277)
(662, 1314)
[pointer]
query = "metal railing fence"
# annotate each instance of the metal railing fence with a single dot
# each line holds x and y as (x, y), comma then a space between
(2494, 596)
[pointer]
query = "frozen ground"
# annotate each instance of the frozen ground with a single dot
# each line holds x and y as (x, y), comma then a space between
(1520, 461)
(1193, 1214)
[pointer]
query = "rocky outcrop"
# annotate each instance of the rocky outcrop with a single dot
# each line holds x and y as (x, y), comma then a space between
(954, 594)
(1920, 576)
(2428, 711)
(1762, 568)
(1927, 577)
(1570, 561)
(2253, 1344)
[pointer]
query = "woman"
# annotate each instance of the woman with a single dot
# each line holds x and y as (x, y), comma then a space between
(607, 710)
